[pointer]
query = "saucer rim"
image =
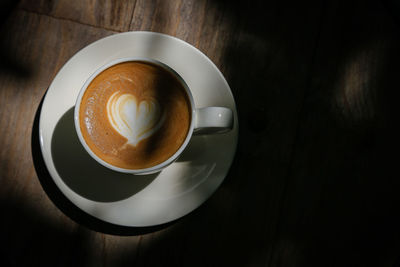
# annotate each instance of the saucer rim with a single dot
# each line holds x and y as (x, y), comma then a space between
(46, 102)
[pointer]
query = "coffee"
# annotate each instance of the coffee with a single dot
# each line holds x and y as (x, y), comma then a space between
(135, 115)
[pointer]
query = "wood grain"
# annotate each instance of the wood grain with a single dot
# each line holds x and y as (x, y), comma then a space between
(108, 14)
(27, 207)
(199, 22)
(313, 182)
(341, 193)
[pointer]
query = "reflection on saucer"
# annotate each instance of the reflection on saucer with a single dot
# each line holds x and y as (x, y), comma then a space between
(83, 174)
(191, 169)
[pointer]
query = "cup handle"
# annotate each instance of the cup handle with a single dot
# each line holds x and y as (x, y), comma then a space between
(213, 120)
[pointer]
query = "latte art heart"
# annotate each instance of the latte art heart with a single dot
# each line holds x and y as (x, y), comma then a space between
(133, 120)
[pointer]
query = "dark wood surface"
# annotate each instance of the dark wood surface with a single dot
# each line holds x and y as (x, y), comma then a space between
(315, 179)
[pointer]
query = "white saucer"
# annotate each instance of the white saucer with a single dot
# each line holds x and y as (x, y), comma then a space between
(125, 199)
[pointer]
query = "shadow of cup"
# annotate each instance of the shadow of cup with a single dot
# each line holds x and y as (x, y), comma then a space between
(85, 176)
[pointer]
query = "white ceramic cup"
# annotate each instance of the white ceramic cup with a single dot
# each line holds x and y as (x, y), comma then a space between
(207, 120)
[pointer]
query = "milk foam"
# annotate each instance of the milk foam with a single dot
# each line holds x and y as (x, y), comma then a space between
(135, 121)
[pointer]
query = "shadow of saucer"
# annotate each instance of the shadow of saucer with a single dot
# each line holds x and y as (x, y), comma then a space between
(83, 174)
(64, 204)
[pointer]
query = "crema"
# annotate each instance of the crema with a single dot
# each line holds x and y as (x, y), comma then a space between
(135, 115)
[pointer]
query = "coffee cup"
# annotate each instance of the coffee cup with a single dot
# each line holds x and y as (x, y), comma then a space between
(137, 115)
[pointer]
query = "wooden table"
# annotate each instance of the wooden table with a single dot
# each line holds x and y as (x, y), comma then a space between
(314, 181)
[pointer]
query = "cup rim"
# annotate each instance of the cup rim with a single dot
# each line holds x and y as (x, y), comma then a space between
(154, 168)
